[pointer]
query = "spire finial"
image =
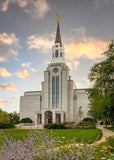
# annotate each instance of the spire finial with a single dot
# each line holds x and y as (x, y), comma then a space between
(58, 18)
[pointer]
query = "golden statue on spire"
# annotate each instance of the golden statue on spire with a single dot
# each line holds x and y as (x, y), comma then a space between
(58, 19)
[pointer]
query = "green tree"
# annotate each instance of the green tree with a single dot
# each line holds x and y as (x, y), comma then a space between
(26, 120)
(101, 95)
(80, 112)
(14, 117)
(4, 116)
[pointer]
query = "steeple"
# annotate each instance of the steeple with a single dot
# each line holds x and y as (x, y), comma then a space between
(58, 36)
(58, 53)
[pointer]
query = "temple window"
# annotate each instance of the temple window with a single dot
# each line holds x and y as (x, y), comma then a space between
(60, 54)
(56, 53)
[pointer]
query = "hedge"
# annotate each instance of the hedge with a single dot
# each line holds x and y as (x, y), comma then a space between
(55, 126)
(86, 124)
(26, 120)
(5, 125)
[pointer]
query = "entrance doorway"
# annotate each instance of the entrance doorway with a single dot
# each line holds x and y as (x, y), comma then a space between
(39, 119)
(58, 118)
(48, 117)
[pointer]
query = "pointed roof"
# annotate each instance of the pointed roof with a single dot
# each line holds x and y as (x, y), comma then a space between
(58, 36)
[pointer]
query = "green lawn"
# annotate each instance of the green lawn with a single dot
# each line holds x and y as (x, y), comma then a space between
(110, 128)
(104, 150)
(62, 135)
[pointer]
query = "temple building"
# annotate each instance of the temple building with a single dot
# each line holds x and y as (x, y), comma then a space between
(59, 100)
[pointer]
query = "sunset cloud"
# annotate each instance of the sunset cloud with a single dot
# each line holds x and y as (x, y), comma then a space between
(90, 48)
(40, 43)
(9, 39)
(4, 73)
(78, 84)
(38, 86)
(23, 74)
(77, 46)
(8, 46)
(38, 8)
(27, 65)
(35, 70)
(80, 45)
(10, 87)
(35, 8)
(2, 59)
(87, 80)
(73, 64)
(16, 98)
(2, 103)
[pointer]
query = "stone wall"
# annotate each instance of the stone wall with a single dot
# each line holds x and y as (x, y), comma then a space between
(81, 100)
(29, 104)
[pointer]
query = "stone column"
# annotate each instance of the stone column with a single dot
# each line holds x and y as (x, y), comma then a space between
(53, 117)
(62, 117)
(36, 120)
(43, 118)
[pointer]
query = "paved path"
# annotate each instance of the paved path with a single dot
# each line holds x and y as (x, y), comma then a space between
(106, 134)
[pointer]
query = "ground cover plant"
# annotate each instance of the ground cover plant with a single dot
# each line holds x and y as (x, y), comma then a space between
(105, 150)
(41, 146)
(55, 126)
(62, 135)
(110, 128)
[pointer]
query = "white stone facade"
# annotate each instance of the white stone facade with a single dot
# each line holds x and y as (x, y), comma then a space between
(59, 100)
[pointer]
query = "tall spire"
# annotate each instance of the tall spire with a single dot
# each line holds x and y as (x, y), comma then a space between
(57, 49)
(58, 35)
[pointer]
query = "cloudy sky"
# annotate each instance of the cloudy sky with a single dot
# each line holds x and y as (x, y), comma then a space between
(27, 33)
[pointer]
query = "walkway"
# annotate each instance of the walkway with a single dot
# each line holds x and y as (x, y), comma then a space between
(106, 134)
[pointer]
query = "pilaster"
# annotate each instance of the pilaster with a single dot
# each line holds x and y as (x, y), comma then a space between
(43, 118)
(54, 117)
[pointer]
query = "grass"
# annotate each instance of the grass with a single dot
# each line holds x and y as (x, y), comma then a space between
(110, 128)
(62, 135)
(105, 149)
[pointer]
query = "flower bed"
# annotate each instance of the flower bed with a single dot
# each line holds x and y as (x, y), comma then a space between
(39, 146)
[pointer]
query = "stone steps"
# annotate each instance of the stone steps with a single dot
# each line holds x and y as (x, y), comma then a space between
(40, 126)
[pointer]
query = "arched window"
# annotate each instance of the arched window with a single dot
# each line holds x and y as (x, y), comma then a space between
(60, 54)
(56, 53)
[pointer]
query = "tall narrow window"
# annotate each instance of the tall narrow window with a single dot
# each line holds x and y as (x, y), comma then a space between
(39, 119)
(57, 91)
(60, 54)
(53, 91)
(56, 53)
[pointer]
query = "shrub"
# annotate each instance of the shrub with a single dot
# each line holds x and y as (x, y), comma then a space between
(5, 125)
(55, 126)
(26, 120)
(70, 122)
(86, 124)
(88, 119)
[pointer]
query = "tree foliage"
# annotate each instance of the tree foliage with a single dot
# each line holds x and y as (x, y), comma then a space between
(7, 120)
(80, 112)
(26, 120)
(4, 116)
(101, 95)
(14, 117)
